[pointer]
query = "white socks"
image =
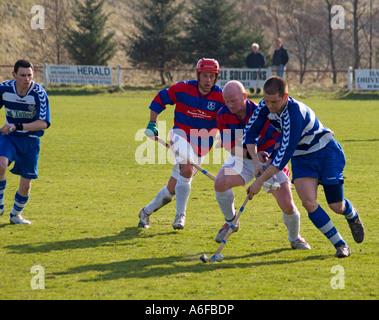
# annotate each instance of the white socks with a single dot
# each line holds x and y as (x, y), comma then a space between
(292, 222)
(226, 202)
(162, 198)
(182, 191)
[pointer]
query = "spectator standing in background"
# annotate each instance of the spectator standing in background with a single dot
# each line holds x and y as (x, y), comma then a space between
(255, 60)
(280, 58)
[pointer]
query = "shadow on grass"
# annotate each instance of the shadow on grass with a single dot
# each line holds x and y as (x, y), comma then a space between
(152, 266)
(82, 243)
(174, 265)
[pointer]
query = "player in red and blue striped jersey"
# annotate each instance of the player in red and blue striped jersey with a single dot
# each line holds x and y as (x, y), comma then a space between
(195, 127)
(195, 112)
(229, 123)
(238, 169)
(27, 116)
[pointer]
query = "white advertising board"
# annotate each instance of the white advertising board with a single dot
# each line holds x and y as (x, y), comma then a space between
(65, 74)
(250, 78)
(366, 79)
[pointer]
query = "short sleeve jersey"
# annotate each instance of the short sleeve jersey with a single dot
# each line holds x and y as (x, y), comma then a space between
(195, 114)
(24, 109)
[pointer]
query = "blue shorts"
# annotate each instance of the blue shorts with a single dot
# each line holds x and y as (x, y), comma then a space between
(326, 164)
(24, 152)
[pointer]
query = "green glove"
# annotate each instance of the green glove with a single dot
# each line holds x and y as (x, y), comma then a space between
(151, 129)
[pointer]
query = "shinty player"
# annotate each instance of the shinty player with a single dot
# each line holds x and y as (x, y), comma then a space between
(195, 126)
(27, 116)
(238, 169)
(316, 158)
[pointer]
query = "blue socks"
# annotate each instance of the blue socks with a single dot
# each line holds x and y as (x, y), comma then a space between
(19, 201)
(2, 189)
(350, 213)
(323, 223)
(19, 204)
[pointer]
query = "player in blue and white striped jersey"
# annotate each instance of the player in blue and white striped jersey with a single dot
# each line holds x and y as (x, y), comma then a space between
(27, 116)
(316, 158)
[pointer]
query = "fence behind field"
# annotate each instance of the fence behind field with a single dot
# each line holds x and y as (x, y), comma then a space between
(142, 77)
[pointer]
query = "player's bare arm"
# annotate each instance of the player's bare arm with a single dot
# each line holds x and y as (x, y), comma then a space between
(153, 116)
(253, 151)
(32, 126)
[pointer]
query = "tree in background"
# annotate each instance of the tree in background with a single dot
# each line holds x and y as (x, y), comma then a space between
(253, 17)
(155, 43)
(368, 30)
(329, 5)
(88, 45)
(58, 17)
(215, 29)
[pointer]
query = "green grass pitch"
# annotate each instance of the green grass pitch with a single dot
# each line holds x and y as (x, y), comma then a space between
(84, 211)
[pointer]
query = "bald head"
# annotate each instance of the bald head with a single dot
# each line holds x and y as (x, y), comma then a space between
(234, 87)
(235, 96)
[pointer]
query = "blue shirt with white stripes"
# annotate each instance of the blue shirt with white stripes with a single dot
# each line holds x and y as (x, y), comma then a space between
(24, 109)
(300, 130)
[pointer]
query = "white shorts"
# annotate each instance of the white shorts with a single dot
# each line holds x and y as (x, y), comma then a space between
(181, 145)
(245, 168)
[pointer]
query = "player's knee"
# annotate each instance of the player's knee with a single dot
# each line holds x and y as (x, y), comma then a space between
(288, 208)
(186, 170)
(309, 205)
(284, 198)
(220, 184)
(337, 207)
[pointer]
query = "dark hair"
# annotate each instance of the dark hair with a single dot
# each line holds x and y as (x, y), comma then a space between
(22, 64)
(274, 85)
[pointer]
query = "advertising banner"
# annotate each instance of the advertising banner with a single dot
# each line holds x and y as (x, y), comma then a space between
(250, 78)
(366, 79)
(64, 74)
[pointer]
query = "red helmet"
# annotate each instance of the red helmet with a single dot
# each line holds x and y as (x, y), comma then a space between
(207, 65)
